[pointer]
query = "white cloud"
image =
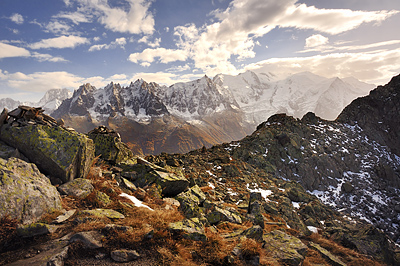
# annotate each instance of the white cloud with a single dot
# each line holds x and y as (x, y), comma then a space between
(339, 47)
(75, 17)
(17, 18)
(374, 67)
(316, 40)
(48, 58)
(154, 44)
(41, 81)
(60, 42)
(119, 42)
(165, 55)
(133, 17)
(57, 27)
(213, 47)
(7, 50)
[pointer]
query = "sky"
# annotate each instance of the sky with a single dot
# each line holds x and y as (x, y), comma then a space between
(50, 44)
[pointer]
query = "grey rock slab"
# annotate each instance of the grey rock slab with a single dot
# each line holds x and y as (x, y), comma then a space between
(90, 239)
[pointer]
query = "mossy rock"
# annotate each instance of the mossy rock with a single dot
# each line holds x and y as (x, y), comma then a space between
(79, 187)
(220, 215)
(189, 228)
(57, 152)
(285, 248)
(103, 213)
(111, 148)
(26, 194)
(35, 229)
(189, 203)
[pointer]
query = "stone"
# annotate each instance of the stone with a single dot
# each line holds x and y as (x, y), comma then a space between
(332, 259)
(56, 151)
(128, 184)
(102, 198)
(109, 145)
(102, 213)
(189, 203)
(171, 184)
(255, 232)
(219, 215)
(285, 248)
(90, 239)
(63, 217)
(189, 228)
(35, 229)
(145, 174)
(26, 194)
(79, 187)
(124, 255)
(347, 187)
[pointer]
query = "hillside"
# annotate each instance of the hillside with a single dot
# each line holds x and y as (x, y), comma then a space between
(295, 192)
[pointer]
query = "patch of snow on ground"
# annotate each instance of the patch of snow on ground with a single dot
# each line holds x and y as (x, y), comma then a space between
(296, 205)
(135, 201)
(264, 192)
(313, 229)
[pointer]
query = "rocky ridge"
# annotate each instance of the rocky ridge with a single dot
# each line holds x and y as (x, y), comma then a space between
(351, 163)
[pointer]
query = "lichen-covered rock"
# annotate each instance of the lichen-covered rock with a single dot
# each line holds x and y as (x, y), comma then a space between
(287, 249)
(219, 215)
(109, 145)
(101, 213)
(26, 194)
(35, 229)
(124, 255)
(79, 187)
(189, 228)
(254, 232)
(56, 151)
(145, 174)
(189, 203)
(90, 239)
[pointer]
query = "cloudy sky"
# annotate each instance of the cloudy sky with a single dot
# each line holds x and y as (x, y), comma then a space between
(64, 43)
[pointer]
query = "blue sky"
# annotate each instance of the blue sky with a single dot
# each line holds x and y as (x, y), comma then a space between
(64, 43)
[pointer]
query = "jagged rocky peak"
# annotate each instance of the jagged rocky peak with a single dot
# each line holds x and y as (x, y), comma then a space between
(196, 98)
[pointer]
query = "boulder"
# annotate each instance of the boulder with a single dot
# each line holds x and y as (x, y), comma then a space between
(35, 229)
(189, 203)
(90, 239)
(285, 248)
(124, 255)
(109, 145)
(219, 215)
(26, 194)
(79, 187)
(56, 151)
(145, 174)
(189, 228)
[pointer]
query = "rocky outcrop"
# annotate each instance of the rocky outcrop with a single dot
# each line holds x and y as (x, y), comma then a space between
(351, 164)
(26, 194)
(144, 174)
(56, 151)
(287, 249)
(109, 145)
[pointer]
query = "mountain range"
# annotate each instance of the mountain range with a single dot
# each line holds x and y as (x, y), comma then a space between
(153, 118)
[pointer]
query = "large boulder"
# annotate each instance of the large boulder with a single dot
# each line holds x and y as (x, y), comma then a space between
(109, 145)
(26, 194)
(285, 248)
(56, 151)
(144, 174)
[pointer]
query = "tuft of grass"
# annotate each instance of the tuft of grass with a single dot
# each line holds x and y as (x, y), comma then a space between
(348, 256)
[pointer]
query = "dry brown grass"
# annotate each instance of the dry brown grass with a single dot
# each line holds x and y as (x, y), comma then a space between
(348, 256)
(8, 228)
